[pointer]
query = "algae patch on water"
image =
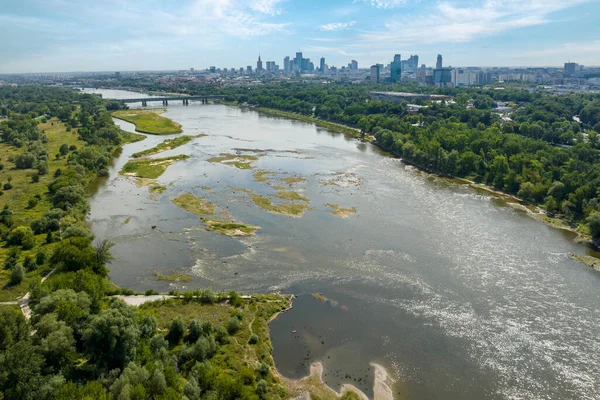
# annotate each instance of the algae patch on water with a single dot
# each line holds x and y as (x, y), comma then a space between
(149, 121)
(291, 209)
(168, 144)
(177, 277)
(194, 205)
(229, 228)
(263, 176)
(150, 168)
(157, 189)
(240, 161)
(341, 212)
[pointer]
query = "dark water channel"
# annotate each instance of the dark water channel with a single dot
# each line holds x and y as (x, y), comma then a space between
(457, 294)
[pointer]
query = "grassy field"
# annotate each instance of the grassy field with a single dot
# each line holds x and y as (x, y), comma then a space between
(293, 196)
(149, 121)
(150, 168)
(230, 228)
(238, 161)
(330, 126)
(194, 205)
(291, 209)
(341, 212)
(168, 144)
(24, 189)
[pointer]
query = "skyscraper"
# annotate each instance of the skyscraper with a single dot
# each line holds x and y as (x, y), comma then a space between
(259, 66)
(354, 64)
(298, 61)
(374, 74)
(396, 69)
(438, 64)
(286, 64)
(322, 65)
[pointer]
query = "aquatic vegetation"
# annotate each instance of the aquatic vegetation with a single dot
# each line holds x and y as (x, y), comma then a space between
(262, 176)
(293, 196)
(243, 190)
(150, 168)
(230, 228)
(293, 180)
(194, 205)
(168, 144)
(291, 209)
(157, 189)
(341, 212)
(176, 277)
(149, 121)
(240, 161)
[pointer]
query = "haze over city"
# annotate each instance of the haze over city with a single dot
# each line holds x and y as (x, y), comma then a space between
(69, 35)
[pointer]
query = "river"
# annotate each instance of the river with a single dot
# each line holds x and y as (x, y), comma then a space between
(459, 295)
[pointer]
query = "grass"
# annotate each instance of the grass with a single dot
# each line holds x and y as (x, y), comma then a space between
(157, 189)
(590, 261)
(176, 277)
(293, 180)
(230, 228)
(150, 168)
(241, 161)
(194, 205)
(262, 176)
(130, 137)
(341, 212)
(149, 121)
(292, 196)
(168, 144)
(291, 209)
(243, 190)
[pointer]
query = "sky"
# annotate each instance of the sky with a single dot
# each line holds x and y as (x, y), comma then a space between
(129, 35)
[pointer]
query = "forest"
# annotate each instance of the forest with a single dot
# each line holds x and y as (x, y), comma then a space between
(75, 338)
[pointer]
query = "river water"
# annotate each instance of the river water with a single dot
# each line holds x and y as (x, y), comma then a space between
(459, 295)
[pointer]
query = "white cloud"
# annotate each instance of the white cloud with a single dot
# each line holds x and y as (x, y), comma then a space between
(451, 23)
(337, 26)
(269, 7)
(583, 53)
(385, 4)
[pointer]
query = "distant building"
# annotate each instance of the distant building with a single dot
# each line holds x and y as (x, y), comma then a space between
(374, 74)
(249, 69)
(354, 65)
(396, 69)
(259, 65)
(117, 75)
(298, 61)
(438, 64)
(286, 64)
(322, 64)
(442, 76)
(212, 69)
(571, 68)
(412, 63)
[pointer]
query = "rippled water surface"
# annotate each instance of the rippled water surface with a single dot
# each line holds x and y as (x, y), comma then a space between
(460, 296)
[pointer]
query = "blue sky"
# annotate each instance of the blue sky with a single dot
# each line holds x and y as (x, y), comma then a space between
(111, 35)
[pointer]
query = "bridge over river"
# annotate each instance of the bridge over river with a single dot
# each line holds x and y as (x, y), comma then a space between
(165, 100)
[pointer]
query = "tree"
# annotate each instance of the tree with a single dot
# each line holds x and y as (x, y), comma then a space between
(56, 341)
(112, 336)
(64, 149)
(176, 330)
(233, 325)
(147, 326)
(14, 327)
(20, 371)
(17, 274)
(195, 330)
(594, 225)
(157, 383)
(22, 236)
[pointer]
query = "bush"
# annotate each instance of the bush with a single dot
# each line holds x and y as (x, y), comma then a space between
(8, 186)
(207, 297)
(176, 330)
(253, 339)
(32, 202)
(150, 292)
(25, 160)
(35, 178)
(72, 147)
(233, 325)
(64, 149)
(30, 263)
(17, 275)
(22, 236)
(40, 258)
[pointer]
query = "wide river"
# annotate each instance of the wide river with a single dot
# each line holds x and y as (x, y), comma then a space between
(457, 294)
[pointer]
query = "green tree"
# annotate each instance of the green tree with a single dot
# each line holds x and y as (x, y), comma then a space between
(176, 330)
(594, 226)
(17, 274)
(233, 325)
(14, 327)
(112, 336)
(64, 149)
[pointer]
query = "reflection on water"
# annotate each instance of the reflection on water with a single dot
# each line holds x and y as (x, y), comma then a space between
(461, 297)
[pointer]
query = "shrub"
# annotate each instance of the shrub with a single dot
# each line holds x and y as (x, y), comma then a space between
(233, 325)
(8, 186)
(207, 297)
(40, 258)
(64, 149)
(25, 160)
(253, 339)
(35, 178)
(30, 263)
(176, 330)
(17, 274)
(32, 203)
(22, 236)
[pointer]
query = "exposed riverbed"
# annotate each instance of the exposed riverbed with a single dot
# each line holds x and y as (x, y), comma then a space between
(459, 295)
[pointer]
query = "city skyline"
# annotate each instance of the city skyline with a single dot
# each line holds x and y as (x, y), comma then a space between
(64, 35)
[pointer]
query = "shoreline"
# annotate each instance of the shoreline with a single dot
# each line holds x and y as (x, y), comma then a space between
(314, 385)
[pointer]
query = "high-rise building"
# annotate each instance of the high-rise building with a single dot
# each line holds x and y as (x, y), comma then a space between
(249, 69)
(354, 65)
(259, 65)
(322, 65)
(396, 69)
(286, 64)
(570, 68)
(438, 64)
(412, 63)
(374, 74)
(298, 61)
(213, 69)
(271, 66)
